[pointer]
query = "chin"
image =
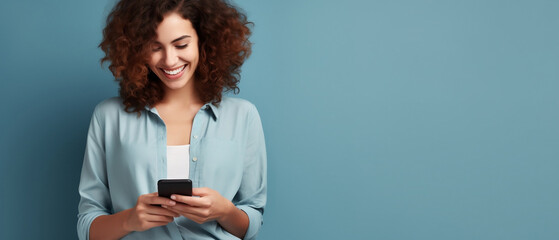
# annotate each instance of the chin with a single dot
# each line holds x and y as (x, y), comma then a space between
(177, 83)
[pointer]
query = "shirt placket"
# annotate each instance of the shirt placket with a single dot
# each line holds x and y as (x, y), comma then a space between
(195, 137)
(161, 161)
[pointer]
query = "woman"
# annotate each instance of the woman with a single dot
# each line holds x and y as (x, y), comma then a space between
(173, 59)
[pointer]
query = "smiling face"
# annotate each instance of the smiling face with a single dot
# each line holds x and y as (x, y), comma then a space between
(174, 53)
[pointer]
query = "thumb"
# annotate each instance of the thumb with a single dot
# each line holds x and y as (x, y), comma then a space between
(200, 192)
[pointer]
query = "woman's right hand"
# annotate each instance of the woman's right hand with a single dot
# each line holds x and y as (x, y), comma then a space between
(148, 213)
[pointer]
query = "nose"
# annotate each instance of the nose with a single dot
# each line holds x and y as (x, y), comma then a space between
(170, 58)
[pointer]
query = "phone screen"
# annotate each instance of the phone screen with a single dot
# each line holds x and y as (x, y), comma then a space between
(167, 187)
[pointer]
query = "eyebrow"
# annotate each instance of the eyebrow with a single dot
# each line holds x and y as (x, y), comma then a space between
(178, 39)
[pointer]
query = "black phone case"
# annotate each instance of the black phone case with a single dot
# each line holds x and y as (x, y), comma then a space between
(167, 187)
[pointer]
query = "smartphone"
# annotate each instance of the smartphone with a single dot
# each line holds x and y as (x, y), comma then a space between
(167, 187)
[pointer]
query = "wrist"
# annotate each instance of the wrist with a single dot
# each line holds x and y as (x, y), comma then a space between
(235, 221)
(125, 220)
(230, 210)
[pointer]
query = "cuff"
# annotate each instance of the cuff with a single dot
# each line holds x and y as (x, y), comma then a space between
(255, 221)
(84, 223)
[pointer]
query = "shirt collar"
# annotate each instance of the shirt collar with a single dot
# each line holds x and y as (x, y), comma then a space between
(208, 107)
(213, 108)
(151, 109)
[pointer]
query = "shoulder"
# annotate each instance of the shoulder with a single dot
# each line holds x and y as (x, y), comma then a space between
(239, 115)
(113, 103)
(108, 108)
(232, 106)
(238, 103)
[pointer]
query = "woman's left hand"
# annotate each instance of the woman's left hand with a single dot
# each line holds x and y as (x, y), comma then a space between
(210, 205)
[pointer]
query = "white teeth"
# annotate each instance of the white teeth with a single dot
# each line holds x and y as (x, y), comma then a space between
(174, 72)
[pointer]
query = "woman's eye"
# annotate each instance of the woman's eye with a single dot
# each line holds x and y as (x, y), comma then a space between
(182, 46)
(155, 49)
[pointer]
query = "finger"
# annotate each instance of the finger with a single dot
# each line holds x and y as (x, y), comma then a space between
(174, 211)
(201, 192)
(196, 218)
(156, 210)
(192, 201)
(155, 224)
(158, 218)
(187, 209)
(156, 200)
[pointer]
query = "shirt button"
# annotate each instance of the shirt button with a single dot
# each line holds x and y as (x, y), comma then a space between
(195, 136)
(194, 159)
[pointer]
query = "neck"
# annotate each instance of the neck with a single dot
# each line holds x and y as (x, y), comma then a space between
(182, 97)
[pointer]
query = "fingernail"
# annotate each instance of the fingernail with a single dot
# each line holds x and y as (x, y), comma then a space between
(172, 203)
(164, 206)
(173, 197)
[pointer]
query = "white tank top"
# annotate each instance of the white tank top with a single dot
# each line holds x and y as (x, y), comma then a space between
(177, 161)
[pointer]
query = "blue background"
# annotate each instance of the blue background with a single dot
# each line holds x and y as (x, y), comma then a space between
(383, 119)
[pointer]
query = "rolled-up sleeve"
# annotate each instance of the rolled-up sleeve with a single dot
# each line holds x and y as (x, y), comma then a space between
(252, 193)
(93, 187)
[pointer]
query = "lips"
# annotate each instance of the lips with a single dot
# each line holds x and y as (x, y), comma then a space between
(175, 72)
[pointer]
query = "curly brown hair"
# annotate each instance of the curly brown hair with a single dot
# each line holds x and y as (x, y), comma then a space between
(223, 32)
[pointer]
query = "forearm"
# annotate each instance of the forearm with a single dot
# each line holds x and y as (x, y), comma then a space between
(235, 222)
(109, 226)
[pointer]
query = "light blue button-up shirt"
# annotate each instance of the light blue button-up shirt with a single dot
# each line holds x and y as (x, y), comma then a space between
(126, 155)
